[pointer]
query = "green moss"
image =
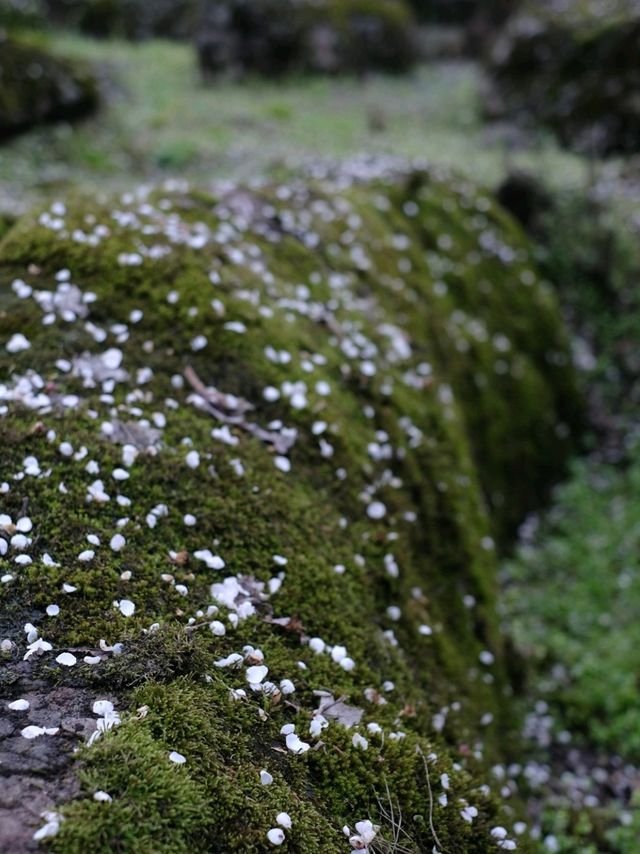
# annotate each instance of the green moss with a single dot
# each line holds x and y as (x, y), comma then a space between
(581, 606)
(156, 805)
(5, 224)
(427, 280)
(572, 600)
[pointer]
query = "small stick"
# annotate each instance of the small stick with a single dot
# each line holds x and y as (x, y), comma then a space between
(431, 827)
(280, 441)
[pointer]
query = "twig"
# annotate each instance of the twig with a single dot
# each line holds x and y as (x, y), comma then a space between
(426, 771)
(213, 399)
(395, 821)
(216, 401)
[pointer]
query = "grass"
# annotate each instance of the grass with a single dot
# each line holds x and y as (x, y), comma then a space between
(571, 593)
(573, 599)
(159, 120)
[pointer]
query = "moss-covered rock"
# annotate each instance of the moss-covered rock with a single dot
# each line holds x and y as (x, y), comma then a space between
(272, 37)
(272, 427)
(36, 86)
(575, 67)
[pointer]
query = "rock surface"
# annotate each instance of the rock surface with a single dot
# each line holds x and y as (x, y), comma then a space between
(257, 446)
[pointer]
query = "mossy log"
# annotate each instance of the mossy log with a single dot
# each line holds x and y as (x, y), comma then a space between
(257, 447)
